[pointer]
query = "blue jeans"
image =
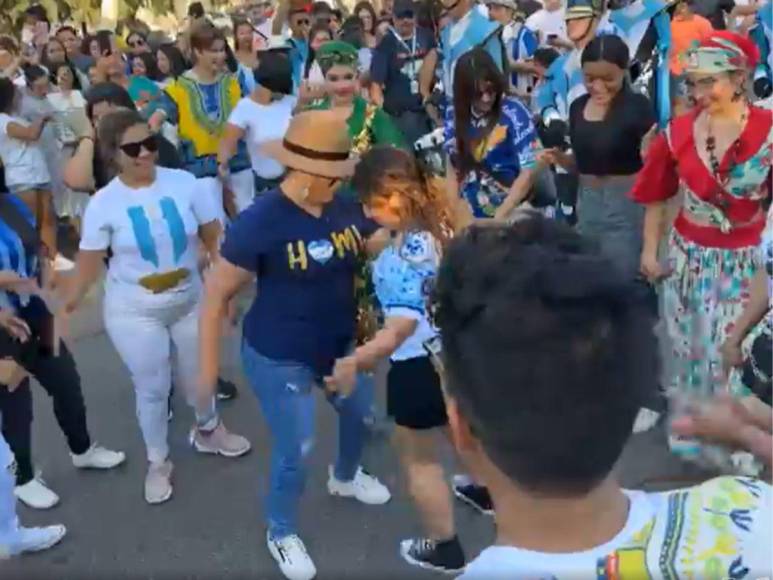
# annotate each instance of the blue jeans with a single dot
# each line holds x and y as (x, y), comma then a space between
(285, 391)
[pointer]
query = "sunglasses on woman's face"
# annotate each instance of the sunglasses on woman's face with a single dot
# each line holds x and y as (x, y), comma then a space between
(150, 144)
(137, 43)
(302, 22)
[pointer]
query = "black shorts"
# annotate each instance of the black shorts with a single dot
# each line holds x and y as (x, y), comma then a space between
(414, 396)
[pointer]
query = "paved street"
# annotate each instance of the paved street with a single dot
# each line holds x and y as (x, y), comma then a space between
(212, 526)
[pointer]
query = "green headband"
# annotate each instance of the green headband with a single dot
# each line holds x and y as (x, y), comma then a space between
(335, 53)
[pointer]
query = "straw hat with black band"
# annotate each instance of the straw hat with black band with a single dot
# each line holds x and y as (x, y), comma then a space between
(316, 143)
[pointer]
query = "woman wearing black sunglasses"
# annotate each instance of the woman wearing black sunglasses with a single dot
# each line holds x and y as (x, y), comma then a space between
(154, 221)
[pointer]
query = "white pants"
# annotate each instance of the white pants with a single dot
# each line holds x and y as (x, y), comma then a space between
(9, 524)
(213, 188)
(243, 186)
(152, 341)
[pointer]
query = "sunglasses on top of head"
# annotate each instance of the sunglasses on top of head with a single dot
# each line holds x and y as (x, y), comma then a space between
(150, 144)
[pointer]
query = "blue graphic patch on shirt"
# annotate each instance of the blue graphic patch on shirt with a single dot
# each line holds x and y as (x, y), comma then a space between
(321, 251)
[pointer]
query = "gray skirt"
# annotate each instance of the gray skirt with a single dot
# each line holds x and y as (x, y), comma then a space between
(608, 217)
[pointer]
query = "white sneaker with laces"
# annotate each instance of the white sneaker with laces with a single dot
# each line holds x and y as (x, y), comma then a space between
(36, 495)
(36, 539)
(158, 482)
(62, 264)
(364, 487)
(291, 556)
(98, 458)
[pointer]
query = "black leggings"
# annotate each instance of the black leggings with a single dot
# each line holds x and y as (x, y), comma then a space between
(60, 379)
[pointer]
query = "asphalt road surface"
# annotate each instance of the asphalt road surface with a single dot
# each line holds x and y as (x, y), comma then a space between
(212, 527)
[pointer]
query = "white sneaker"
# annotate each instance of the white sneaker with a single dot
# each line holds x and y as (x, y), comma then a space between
(98, 458)
(364, 487)
(645, 420)
(37, 539)
(158, 482)
(62, 264)
(36, 495)
(291, 556)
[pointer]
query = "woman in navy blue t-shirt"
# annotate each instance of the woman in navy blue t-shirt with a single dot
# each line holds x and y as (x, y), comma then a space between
(303, 243)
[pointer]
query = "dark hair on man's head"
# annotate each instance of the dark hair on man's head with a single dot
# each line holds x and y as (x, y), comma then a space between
(274, 72)
(546, 352)
(176, 59)
(7, 95)
(196, 10)
(607, 48)
(66, 28)
(111, 93)
(472, 70)
(33, 72)
(544, 56)
(352, 32)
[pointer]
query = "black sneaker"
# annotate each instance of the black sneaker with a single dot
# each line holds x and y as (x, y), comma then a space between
(476, 496)
(226, 390)
(446, 557)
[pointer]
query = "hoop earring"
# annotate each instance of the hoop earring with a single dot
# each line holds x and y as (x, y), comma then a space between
(740, 92)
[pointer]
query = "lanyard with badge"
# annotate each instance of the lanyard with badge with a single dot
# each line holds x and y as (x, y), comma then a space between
(414, 75)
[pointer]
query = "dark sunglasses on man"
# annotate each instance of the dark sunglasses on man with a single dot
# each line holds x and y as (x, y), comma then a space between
(150, 144)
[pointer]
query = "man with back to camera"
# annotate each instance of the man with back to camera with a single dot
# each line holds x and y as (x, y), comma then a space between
(542, 391)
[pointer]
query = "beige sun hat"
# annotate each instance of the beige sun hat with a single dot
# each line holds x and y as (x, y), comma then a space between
(317, 143)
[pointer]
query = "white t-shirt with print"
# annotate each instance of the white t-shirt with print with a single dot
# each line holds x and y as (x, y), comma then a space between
(150, 230)
(23, 161)
(263, 123)
(719, 529)
(546, 23)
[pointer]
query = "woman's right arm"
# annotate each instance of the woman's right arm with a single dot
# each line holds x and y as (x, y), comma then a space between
(30, 132)
(223, 282)
(89, 265)
(78, 171)
(654, 216)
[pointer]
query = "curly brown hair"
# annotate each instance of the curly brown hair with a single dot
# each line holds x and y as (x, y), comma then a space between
(386, 170)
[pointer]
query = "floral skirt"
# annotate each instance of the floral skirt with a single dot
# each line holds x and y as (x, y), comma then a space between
(705, 294)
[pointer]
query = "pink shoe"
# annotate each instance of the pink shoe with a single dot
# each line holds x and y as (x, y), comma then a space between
(219, 441)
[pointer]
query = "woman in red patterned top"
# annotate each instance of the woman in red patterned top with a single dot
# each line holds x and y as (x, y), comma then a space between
(718, 157)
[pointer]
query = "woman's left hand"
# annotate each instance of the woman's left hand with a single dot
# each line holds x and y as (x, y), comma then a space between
(344, 376)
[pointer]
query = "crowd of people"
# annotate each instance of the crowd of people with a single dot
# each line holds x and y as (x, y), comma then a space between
(535, 214)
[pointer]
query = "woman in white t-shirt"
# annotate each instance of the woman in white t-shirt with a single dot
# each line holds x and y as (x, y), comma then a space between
(68, 104)
(153, 221)
(262, 116)
(26, 170)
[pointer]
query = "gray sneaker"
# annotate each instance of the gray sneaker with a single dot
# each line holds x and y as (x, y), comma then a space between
(219, 441)
(158, 482)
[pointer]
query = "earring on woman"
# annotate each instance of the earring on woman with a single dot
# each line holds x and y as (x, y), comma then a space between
(740, 92)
